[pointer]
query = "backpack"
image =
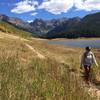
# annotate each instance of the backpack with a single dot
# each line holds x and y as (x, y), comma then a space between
(87, 59)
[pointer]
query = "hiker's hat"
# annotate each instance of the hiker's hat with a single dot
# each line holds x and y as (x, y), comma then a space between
(88, 48)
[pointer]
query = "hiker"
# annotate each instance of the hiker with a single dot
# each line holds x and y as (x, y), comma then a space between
(87, 60)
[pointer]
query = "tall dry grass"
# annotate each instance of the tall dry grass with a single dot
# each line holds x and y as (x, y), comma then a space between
(37, 79)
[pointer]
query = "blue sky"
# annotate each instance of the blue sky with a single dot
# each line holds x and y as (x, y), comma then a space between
(28, 10)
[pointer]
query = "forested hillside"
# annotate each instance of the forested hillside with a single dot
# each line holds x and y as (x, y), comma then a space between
(89, 26)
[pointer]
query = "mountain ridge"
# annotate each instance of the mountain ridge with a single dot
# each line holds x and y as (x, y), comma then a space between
(88, 26)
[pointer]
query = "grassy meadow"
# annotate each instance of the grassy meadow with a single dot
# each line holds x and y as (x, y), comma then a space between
(25, 76)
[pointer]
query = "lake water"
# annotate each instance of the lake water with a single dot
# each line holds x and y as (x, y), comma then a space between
(78, 43)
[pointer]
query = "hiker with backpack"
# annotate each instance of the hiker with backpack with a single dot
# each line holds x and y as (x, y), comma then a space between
(87, 60)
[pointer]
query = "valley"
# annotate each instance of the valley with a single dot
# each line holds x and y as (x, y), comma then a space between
(36, 63)
(72, 28)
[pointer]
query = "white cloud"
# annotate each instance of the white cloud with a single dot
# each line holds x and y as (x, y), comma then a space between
(33, 14)
(56, 6)
(62, 6)
(25, 6)
(29, 21)
(87, 5)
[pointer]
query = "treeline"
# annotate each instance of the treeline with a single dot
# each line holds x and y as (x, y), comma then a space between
(89, 26)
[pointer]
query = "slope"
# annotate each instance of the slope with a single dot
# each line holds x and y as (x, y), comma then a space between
(89, 26)
(9, 28)
(26, 75)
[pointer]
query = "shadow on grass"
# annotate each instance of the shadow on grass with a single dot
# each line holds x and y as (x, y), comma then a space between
(96, 82)
(92, 79)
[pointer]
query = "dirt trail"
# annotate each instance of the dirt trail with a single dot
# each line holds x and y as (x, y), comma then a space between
(9, 36)
(38, 54)
(94, 91)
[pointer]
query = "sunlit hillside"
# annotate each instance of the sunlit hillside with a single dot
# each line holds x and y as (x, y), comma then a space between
(31, 69)
(11, 29)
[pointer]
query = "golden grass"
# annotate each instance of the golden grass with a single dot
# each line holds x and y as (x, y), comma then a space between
(23, 76)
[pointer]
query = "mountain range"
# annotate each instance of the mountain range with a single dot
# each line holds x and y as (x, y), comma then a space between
(88, 26)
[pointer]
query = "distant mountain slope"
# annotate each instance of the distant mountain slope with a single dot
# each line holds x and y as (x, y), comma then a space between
(41, 27)
(17, 22)
(89, 26)
(20, 24)
(61, 30)
(9, 28)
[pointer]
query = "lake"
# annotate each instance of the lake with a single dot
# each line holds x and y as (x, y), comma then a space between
(78, 43)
